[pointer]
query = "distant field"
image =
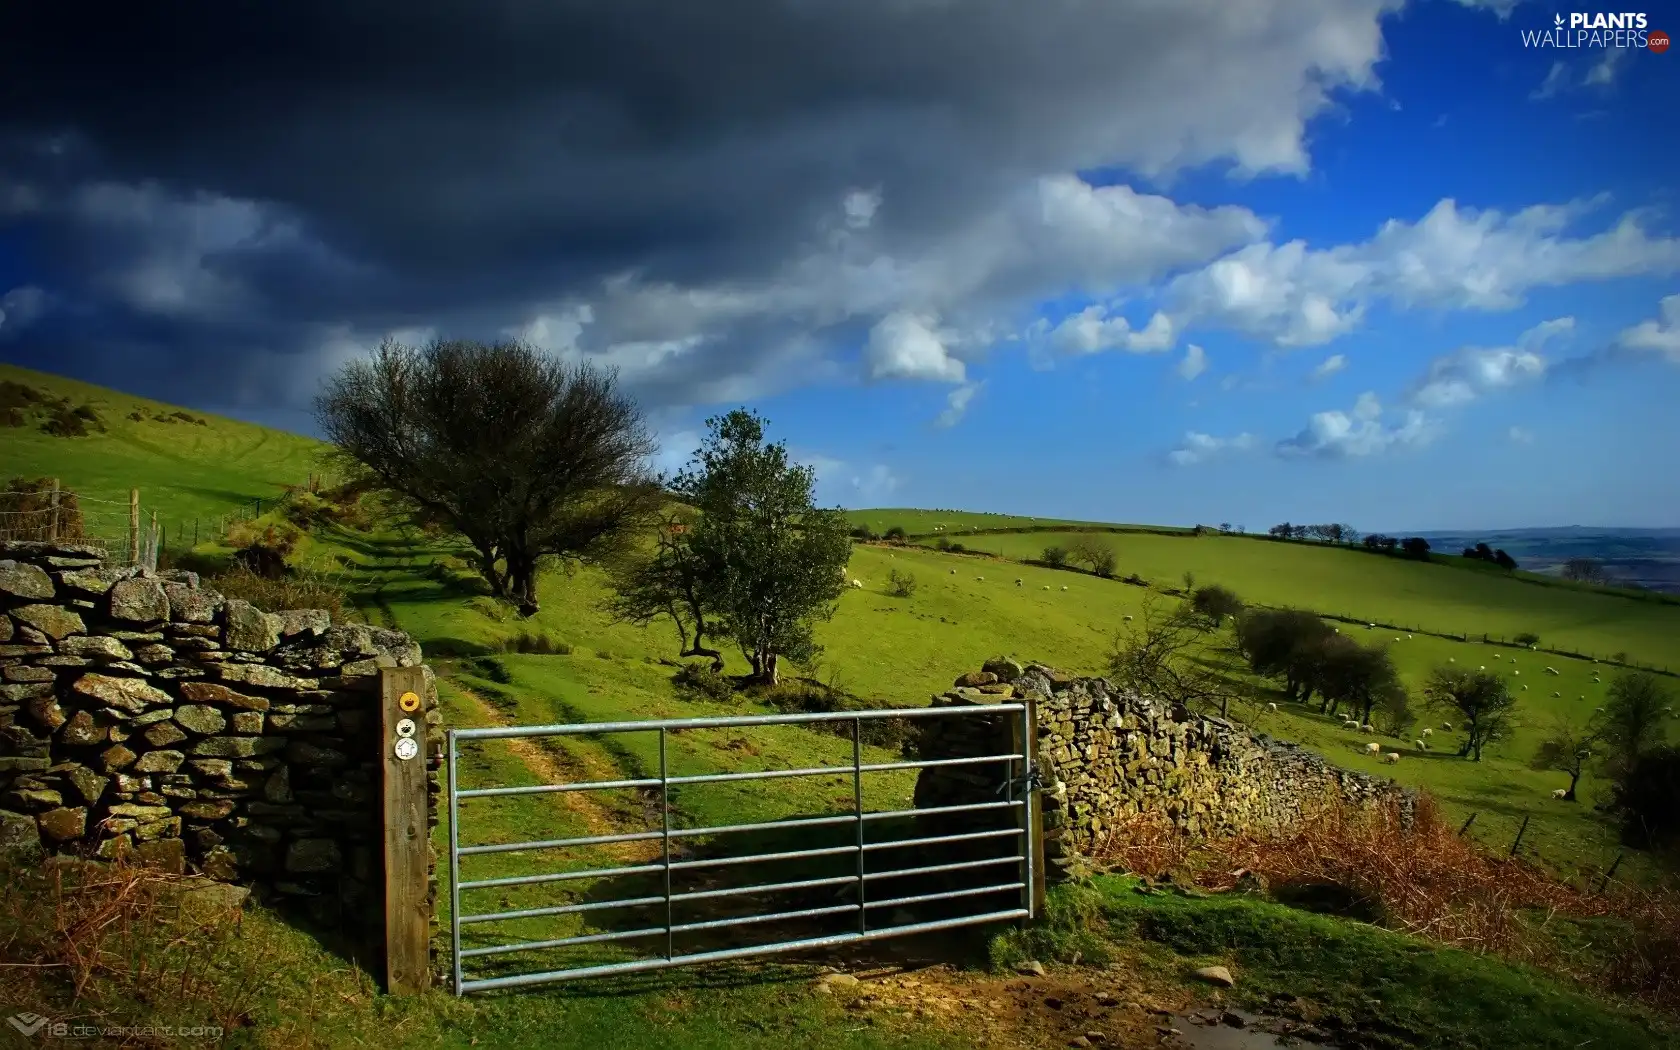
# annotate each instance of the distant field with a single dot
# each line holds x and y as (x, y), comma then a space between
(1367, 586)
(917, 522)
(182, 470)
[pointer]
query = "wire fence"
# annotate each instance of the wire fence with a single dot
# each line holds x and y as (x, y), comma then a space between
(1612, 659)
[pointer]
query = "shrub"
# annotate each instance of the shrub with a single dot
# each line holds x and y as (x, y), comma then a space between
(896, 534)
(65, 423)
(1213, 603)
(863, 532)
(802, 696)
(138, 416)
(19, 395)
(263, 549)
(535, 643)
(85, 412)
(699, 681)
(1103, 564)
(1055, 557)
(900, 584)
(26, 502)
(277, 593)
(12, 417)
(956, 548)
(1527, 638)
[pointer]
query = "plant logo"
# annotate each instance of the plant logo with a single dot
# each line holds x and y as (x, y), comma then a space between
(1579, 29)
(27, 1024)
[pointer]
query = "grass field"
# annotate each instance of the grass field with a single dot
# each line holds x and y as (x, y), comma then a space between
(183, 471)
(895, 651)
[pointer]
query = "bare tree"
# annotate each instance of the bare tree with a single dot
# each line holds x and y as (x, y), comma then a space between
(1480, 699)
(1095, 552)
(1160, 655)
(526, 458)
(1584, 570)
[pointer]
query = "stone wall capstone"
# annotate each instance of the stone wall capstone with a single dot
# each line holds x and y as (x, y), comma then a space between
(145, 717)
(1105, 755)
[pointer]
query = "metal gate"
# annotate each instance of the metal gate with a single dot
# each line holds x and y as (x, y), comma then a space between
(1013, 774)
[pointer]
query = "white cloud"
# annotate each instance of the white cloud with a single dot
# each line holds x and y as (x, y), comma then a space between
(1357, 433)
(875, 483)
(1502, 8)
(1199, 448)
(906, 346)
(1660, 335)
(860, 207)
(1194, 363)
(1604, 71)
(20, 307)
(1329, 367)
(1468, 373)
(1452, 258)
(1520, 436)
(1557, 80)
(1093, 330)
(956, 404)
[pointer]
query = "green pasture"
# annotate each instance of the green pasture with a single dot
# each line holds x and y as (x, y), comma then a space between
(1351, 582)
(183, 471)
(918, 522)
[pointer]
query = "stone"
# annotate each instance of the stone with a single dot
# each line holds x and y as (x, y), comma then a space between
(159, 762)
(211, 693)
(249, 629)
(219, 863)
(51, 620)
(63, 825)
(118, 847)
(5, 629)
(236, 746)
(23, 580)
(20, 841)
(208, 809)
(200, 718)
(154, 654)
(142, 814)
(1003, 668)
(25, 673)
(247, 722)
(95, 645)
(82, 730)
(312, 622)
(167, 855)
(92, 580)
(304, 753)
(197, 605)
(975, 679)
(204, 902)
(212, 767)
(277, 789)
(163, 734)
(313, 855)
(25, 691)
(260, 675)
(1216, 975)
(1031, 968)
(115, 758)
(88, 784)
(141, 601)
(128, 694)
(31, 799)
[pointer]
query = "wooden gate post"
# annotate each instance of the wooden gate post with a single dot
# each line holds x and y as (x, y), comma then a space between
(52, 525)
(134, 526)
(402, 746)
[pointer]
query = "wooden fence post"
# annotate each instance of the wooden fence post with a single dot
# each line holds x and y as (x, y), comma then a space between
(1518, 841)
(1611, 873)
(134, 526)
(52, 519)
(152, 544)
(402, 746)
(1466, 826)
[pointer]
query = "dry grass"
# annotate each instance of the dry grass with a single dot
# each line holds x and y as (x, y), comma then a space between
(296, 590)
(1429, 881)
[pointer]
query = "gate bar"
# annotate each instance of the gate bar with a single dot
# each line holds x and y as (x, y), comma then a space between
(643, 965)
(724, 722)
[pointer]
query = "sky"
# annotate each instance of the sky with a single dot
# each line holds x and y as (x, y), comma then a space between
(1405, 265)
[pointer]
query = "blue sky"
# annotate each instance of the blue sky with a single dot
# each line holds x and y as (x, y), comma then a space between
(1240, 263)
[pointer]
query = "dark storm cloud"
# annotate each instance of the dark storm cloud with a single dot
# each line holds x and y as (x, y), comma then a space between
(249, 176)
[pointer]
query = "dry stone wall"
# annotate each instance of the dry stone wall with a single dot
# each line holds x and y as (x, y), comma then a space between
(1105, 755)
(146, 717)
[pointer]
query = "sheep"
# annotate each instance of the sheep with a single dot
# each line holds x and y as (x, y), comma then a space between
(1560, 792)
(1427, 730)
(1349, 723)
(1367, 728)
(1516, 672)
(1128, 617)
(1064, 586)
(1446, 726)
(1373, 747)
(979, 579)
(953, 572)
(1421, 746)
(1450, 660)
(1047, 586)
(1482, 667)
(1408, 638)
(1556, 694)
(1551, 670)
(1017, 581)
(1392, 757)
(1599, 710)
(1525, 685)
(1271, 707)
(857, 585)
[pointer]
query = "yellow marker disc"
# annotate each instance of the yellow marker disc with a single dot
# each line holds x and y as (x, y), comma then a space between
(409, 701)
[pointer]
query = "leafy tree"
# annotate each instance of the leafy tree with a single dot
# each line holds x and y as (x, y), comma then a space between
(1567, 748)
(670, 584)
(1634, 713)
(1527, 638)
(1415, 547)
(1284, 643)
(1481, 702)
(1095, 552)
(1648, 797)
(896, 534)
(1055, 557)
(1504, 561)
(772, 560)
(1376, 541)
(900, 584)
(1584, 570)
(1282, 532)
(1362, 677)
(526, 458)
(1213, 603)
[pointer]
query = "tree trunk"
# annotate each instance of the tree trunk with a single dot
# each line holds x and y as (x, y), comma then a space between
(522, 583)
(771, 670)
(1574, 778)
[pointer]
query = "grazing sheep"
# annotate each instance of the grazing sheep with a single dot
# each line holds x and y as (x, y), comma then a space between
(1128, 617)
(979, 579)
(1047, 586)
(1482, 667)
(1516, 672)
(1271, 707)
(857, 585)
(1421, 746)
(953, 572)
(1427, 730)
(1373, 747)
(1367, 728)
(1450, 660)
(1525, 685)
(1408, 638)
(1551, 670)
(1349, 724)
(1064, 586)
(1600, 710)
(1392, 757)
(1496, 655)
(1447, 726)
(1560, 793)
(1580, 698)
(1556, 694)
(1338, 630)
(1017, 581)
(1370, 627)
